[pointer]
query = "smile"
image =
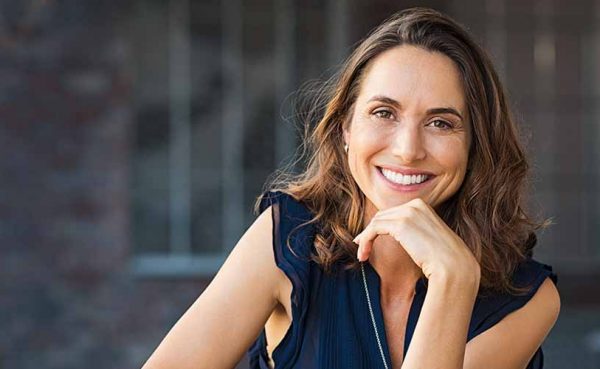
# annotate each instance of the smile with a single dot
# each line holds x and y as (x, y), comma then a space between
(404, 179)
(398, 181)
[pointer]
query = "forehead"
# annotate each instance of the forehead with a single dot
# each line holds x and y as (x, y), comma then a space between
(413, 75)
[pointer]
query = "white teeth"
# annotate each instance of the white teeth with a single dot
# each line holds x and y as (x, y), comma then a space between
(404, 179)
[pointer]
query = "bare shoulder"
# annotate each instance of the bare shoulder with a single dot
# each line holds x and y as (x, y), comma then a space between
(255, 254)
(256, 246)
(512, 342)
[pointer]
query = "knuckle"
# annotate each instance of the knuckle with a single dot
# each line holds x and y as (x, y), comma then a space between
(408, 213)
(379, 214)
(402, 219)
(419, 203)
(375, 222)
(396, 230)
(402, 222)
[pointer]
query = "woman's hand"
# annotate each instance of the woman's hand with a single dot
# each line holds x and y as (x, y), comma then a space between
(427, 239)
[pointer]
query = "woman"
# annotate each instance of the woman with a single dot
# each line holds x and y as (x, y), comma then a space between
(404, 243)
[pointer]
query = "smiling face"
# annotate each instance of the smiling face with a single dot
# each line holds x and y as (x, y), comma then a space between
(410, 117)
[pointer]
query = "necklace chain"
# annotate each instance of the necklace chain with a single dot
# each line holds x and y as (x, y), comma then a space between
(362, 268)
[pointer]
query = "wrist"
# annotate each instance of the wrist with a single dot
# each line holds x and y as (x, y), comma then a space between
(455, 281)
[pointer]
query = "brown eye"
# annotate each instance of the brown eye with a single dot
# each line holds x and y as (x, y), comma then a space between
(442, 124)
(385, 114)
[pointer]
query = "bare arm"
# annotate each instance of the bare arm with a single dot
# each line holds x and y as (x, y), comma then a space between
(441, 331)
(512, 342)
(439, 340)
(218, 328)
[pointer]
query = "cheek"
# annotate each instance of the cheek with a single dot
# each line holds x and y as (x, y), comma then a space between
(366, 138)
(365, 143)
(450, 153)
(368, 143)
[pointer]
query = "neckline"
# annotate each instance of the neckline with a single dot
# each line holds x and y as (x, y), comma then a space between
(375, 290)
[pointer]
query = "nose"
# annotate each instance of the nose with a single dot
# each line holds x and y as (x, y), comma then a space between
(408, 143)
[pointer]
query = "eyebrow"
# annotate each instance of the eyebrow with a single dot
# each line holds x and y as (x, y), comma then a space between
(440, 110)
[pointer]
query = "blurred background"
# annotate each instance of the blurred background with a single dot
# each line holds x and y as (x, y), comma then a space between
(135, 136)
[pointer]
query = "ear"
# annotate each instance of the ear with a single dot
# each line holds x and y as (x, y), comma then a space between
(346, 132)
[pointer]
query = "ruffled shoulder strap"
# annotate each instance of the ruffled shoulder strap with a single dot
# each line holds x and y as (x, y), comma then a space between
(489, 310)
(293, 239)
(292, 235)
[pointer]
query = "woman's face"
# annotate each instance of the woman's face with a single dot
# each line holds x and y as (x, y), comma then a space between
(409, 120)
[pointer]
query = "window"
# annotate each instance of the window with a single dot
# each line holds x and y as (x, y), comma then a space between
(209, 88)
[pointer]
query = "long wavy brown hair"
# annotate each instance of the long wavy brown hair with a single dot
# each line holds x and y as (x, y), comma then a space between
(487, 212)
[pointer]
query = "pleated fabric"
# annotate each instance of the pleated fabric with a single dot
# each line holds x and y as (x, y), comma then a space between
(331, 323)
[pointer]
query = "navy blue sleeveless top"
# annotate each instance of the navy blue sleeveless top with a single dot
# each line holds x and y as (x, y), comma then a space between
(331, 323)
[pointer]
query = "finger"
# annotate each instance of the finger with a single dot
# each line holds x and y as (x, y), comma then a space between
(364, 249)
(408, 213)
(406, 210)
(377, 228)
(360, 253)
(367, 237)
(416, 203)
(356, 240)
